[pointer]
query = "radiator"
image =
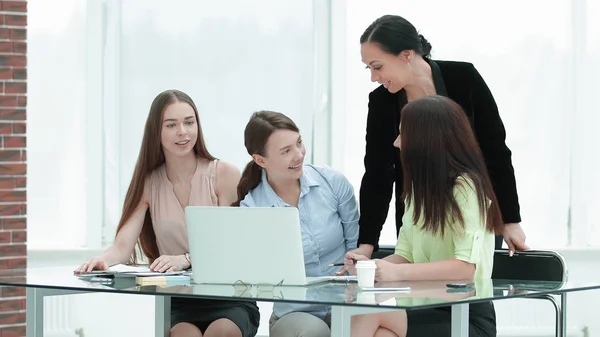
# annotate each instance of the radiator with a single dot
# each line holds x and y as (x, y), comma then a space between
(533, 318)
(58, 317)
(544, 331)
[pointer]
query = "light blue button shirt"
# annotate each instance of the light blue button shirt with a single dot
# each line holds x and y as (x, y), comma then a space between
(328, 222)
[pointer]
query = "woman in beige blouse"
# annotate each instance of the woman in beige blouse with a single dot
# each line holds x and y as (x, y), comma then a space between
(174, 170)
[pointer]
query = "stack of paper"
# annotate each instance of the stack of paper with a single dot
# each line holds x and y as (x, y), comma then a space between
(125, 268)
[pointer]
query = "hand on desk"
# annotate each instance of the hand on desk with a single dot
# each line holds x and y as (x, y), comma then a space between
(91, 264)
(387, 271)
(169, 263)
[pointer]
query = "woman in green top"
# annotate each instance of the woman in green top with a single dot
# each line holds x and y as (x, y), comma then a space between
(448, 228)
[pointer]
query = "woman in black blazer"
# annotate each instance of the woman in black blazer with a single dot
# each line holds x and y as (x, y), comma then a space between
(398, 58)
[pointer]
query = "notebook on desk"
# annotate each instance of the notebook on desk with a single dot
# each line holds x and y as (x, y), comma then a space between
(258, 245)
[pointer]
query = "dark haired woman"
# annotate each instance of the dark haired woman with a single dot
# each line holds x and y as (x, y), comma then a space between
(278, 177)
(447, 232)
(398, 58)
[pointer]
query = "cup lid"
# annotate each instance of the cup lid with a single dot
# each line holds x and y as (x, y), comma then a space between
(365, 263)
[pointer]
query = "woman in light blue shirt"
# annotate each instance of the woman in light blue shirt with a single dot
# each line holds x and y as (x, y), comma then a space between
(278, 177)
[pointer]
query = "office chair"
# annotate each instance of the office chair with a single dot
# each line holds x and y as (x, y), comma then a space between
(535, 265)
(532, 265)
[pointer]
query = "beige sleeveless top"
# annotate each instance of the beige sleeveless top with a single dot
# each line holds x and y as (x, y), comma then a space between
(168, 217)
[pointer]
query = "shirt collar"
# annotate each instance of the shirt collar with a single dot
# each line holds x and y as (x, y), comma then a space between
(306, 182)
(438, 83)
(438, 79)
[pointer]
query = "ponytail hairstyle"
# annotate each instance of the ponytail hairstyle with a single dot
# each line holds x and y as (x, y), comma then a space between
(394, 34)
(258, 130)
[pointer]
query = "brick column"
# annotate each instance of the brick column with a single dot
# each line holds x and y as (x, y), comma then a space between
(13, 160)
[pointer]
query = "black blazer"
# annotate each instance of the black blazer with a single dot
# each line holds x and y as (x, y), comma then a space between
(461, 82)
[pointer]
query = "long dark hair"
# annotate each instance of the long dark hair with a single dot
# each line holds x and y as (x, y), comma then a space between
(394, 34)
(438, 146)
(152, 156)
(258, 130)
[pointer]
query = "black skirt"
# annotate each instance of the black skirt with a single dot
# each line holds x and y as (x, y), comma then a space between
(202, 313)
(437, 322)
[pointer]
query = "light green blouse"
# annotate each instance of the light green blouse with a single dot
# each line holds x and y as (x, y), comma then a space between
(473, 244)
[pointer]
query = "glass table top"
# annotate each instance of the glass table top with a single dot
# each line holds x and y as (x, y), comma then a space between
(420, 294)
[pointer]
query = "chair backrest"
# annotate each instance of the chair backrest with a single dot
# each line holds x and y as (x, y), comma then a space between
(384, 250)
(531, 265)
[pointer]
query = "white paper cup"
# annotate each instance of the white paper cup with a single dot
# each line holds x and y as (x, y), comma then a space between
(365, 272)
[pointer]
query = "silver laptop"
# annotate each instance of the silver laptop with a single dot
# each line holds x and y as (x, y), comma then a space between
(257, 245)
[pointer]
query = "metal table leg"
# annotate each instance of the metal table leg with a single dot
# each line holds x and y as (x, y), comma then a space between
(563, 314)
(34, 312)
(162, 315)
(340, 321)
(460, 320)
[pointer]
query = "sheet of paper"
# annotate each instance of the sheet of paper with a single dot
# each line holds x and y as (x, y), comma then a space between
(122, 268)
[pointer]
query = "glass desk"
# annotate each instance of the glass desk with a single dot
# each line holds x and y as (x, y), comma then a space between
(345, 298)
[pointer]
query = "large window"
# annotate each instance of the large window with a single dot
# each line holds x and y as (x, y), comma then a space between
(95, 72)
(95, 67)
(585, 118)
(56, 131)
